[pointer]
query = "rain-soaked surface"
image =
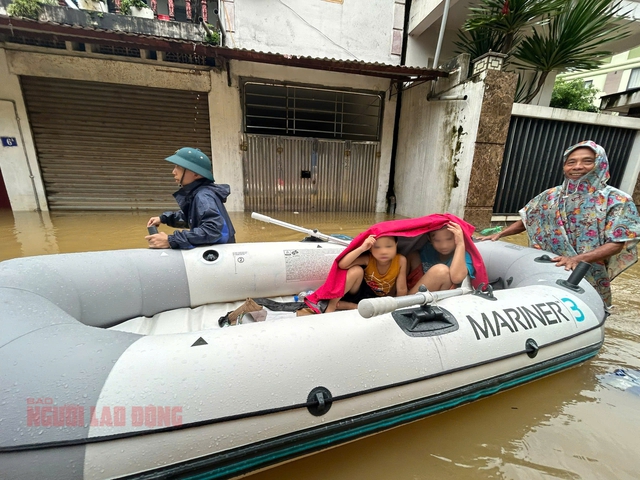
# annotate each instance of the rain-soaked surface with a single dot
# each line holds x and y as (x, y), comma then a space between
(572, 425)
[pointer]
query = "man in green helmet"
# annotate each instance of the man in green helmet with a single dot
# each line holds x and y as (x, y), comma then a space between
(201, 203)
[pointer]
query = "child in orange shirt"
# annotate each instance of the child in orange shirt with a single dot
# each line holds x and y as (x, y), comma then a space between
(384, 273)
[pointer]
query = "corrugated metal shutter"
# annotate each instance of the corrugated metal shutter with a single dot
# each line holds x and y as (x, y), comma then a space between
(532, 159)
(102, 146)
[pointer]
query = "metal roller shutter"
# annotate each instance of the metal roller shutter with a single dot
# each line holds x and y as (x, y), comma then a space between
(102, 146)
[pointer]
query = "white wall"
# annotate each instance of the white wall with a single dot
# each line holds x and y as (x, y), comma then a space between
(352, 30)
(420, 49)
(225, 116)
(436, 145)
(631, 173)
(18, 164)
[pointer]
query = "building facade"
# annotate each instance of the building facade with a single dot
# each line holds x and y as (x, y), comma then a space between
(295, 107)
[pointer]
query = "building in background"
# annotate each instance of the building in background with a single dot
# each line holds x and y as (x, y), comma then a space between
(300, 105)
(295, 106)
(621, 73)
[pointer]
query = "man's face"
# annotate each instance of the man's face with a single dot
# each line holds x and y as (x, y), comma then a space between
(188, 177)
(579, 162)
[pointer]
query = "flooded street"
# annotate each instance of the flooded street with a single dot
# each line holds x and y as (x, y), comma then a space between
(572, 425)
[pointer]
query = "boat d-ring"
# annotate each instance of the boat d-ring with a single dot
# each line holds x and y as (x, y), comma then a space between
(487, 293)
(319, 401)
(531, 347)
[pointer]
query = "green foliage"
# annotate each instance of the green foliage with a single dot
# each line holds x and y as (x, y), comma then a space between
(508, 18)
(28, 8)
(543, 36)
(479, 41)
(212, 37)
(125, 6)
(574, 95)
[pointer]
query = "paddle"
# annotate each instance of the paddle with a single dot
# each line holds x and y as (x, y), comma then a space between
(371, 307)
(313, 233)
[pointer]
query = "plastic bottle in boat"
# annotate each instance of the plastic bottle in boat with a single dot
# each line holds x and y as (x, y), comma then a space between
(301, 295)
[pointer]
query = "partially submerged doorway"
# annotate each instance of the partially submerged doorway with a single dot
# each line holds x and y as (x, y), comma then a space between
(310, 149)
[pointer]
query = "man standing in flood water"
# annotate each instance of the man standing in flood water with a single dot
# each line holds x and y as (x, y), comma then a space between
(201, 203)
(584, 219)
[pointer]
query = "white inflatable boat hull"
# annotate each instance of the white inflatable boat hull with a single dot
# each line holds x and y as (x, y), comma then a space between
(226, 401)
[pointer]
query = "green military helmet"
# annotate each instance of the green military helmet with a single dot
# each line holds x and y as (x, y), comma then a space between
(192, 159)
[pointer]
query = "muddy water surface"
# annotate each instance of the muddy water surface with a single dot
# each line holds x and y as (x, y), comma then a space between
(573, 425)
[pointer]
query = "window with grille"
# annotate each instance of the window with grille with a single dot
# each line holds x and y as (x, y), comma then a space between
(311, 112)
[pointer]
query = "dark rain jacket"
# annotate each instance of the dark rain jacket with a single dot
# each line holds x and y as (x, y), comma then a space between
(203, 213)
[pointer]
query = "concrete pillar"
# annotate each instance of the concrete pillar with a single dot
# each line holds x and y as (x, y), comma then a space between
(630, 182)
(18, 159)
(495, 116)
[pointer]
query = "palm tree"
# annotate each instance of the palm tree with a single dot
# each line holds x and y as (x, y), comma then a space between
(542, 36)
(508, 18)
(572, 40)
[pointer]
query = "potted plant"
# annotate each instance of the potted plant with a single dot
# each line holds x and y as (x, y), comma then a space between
(28, 8)
(135, 8)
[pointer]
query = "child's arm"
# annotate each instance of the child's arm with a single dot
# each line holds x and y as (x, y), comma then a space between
(458, 269)
(401, 281)
(356, 256)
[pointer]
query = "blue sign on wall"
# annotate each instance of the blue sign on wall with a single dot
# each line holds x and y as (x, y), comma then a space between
(9, 142)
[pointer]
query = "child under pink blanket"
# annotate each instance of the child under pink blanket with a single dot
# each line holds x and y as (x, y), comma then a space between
(408, 231)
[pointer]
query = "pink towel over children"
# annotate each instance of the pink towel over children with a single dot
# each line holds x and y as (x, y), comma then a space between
(333, 287)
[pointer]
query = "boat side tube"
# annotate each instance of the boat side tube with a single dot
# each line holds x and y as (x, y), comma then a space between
(512, 266)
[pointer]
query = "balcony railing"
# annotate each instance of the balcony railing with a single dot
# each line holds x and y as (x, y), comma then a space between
(174, 10)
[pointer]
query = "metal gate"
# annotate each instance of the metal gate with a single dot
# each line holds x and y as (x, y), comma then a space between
(533, 153)
(102, 146)
(306, 174)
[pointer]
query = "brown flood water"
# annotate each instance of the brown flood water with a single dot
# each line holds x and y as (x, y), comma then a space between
(572, 425)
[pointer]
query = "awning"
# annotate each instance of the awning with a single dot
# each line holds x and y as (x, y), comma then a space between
(74, 33)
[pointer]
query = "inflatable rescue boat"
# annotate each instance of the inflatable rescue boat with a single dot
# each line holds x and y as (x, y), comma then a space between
(114, 364)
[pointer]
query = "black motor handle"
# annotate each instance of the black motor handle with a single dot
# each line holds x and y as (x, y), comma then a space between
(578, 274)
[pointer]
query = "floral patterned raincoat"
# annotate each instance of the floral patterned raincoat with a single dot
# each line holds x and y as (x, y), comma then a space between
(581, 215)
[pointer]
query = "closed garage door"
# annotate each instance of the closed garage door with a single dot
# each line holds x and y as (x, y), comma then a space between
(102, 146)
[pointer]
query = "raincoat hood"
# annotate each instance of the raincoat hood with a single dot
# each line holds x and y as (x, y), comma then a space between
(597, 178)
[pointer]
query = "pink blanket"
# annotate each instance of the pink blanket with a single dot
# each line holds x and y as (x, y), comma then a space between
(333, 287)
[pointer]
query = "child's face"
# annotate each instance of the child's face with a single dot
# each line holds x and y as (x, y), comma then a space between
(443, 241)
(384, 249)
